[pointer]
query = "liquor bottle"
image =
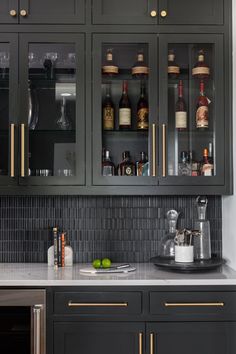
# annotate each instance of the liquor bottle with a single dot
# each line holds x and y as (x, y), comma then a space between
(126, 167)
(201, 70)
(142, 166)
(206, 167)
(202, 113)
(184, 167)
(173, 68)
(108, 167)
(125, 109)
(210, 156)
(108, 112)
(142, 109)
(109, 67)
(140, 68)
(194, 165)
(180, 110)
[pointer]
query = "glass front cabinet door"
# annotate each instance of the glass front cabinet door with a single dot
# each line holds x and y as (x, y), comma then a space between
(52, 109)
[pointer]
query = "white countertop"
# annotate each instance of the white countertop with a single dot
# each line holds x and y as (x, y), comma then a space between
(39, 274)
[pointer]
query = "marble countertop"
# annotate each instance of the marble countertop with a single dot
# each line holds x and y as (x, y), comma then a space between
(39, 274)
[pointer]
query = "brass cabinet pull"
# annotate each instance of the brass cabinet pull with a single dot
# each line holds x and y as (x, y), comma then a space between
(154, 150)
(97, 304)
(13, 13)
(151, 343)
(163, 150)
(140, 343)
(194, 304)
(23, 13)
(163, 13)
(12, 168)
(22, 129)
(37, 328)
(153, 13)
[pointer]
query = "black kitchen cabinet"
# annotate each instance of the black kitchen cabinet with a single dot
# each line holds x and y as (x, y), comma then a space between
(9, 11)
(98, 337)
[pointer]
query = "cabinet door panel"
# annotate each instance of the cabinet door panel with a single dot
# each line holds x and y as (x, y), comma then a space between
(53, 11)
(124, 11)
(192, 12)
(97, 337)
(6, 6)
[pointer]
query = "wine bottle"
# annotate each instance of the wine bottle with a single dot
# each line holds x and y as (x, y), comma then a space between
(180, 110)
(173, 68)
(201, 70)
(142, 109)
(202, 112)
(125, 109)
(108, 167)
(206, 167)
(140, 68)
(108, 112)
(109, 67)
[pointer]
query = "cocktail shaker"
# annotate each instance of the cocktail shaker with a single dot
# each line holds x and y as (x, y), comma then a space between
(202, 243)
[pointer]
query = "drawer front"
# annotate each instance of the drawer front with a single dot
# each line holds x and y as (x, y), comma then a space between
(106, 303)
(193, 304)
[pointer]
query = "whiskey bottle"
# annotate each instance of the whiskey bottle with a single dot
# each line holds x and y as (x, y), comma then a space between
(184, 166)
(126, 167)
(108, 112)
(142, 110)
(109, 67)
(206, 167)
(201, 70)
(125, 109)
(180, 110)
(142, 166)
(202, 112)
(173, 68)
(140, 68)
(108, 167)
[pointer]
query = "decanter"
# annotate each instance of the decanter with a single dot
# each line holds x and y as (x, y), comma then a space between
(168, 241)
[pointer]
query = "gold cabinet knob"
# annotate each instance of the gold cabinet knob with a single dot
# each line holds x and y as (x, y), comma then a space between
(23, 13)
(153, 13)
(13, 13)
(163, 13)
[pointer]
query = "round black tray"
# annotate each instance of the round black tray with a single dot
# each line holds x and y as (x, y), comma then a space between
(197, 266)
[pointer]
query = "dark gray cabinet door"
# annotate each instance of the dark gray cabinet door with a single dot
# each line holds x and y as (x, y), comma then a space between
(191, 12)
(52, 11)
(125, 12)
(9, 11)
(194, 338)
(98, 338)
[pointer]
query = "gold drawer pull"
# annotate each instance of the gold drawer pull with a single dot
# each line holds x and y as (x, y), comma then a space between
(151, 343)
(12, 150)
(195, 304)
(140, 343)
(97, 304)
(154, 150)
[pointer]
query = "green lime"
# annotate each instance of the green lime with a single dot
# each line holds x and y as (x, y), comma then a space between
(106, 263)
(97, 263)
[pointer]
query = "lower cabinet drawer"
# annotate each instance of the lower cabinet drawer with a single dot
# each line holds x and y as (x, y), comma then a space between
(120, 303)
(194, 304)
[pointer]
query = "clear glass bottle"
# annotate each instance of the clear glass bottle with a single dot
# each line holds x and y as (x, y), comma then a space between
(202, 243)
(108, 167)
(142, 165)
(168, 242)
(184, 165)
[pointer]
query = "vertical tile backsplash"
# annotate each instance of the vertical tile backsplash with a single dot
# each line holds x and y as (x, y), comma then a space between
(122, 228)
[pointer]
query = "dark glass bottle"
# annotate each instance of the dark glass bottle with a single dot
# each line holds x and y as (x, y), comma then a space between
(125, 109)
(142, 110)
(180, 110)
(126, 167)
(142, 166)
(173, 68)
(140, 68)
(108, 111)
(109, 67)
(108, 167)
(201, 70)
(202, 112)
(206, 167)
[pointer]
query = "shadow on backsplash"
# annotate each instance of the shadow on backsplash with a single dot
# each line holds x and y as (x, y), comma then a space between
(126, 229)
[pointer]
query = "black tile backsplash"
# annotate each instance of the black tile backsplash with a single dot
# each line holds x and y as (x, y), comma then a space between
(126, 229)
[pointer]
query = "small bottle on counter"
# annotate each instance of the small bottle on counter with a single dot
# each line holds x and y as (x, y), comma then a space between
(64, 252)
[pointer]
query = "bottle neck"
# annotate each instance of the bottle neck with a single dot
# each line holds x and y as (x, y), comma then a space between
(202, 89)
(201, 58)
(140, 57)
(109, 56)
(180, 89)
(125, 88)
(171, 57)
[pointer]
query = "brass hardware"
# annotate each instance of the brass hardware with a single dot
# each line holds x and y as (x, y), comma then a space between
(154, 150)
(12, 150)
(163, 150)
(195, 304)
(97, 304)
(163, 13)
(23, 13)
(153, 13)
(22, 128)
(13, 13)
(151, 343)
(140, 343)
(37, 328)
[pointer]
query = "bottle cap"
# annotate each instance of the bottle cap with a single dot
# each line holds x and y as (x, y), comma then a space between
(205, 152)
(107, 154)
(184, 155)
(125, 154)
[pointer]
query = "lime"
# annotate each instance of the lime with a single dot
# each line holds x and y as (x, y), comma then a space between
(106, 263)
(97, 263)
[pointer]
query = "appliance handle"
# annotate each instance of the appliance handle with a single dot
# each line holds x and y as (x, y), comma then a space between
(37, 328)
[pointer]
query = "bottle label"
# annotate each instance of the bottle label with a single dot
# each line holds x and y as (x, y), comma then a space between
(201, 70)
(140, 57)
(171, 57)
(110, 69)
(181, 120)
(124, 116)
(202, 116)
(140, 70)
(128, 171)
(108, 118)
(109, 57)
(173, 70)
(207, 169)
(142, 118)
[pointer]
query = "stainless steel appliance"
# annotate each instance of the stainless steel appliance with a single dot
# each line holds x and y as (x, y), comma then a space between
(23, 321)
